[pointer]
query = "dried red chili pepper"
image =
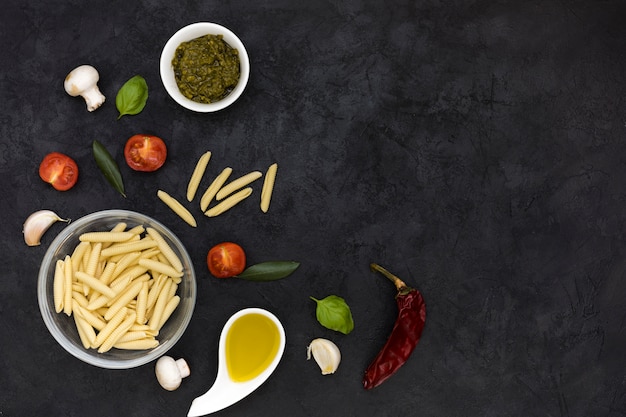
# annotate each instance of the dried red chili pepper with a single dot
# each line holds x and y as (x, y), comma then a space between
(405, 335)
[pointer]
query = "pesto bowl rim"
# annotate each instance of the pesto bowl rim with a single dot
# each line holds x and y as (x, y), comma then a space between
(193, 31)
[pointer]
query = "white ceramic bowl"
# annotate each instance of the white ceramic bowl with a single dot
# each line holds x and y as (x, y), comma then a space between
(194, 31)
(63, 327)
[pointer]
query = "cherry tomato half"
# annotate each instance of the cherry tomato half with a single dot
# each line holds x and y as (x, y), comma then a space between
(145, 152)
(59, 170)
(226, 260)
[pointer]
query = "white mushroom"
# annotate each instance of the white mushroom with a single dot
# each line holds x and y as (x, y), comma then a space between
(83, 81)
(170, 372)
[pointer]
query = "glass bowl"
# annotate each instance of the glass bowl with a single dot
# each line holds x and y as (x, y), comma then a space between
(63, 327)
(194, 31)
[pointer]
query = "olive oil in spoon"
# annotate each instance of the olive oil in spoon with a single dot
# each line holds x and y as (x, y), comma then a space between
(251, 345)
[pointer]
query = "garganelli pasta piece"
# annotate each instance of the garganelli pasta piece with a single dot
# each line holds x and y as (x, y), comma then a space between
(160, 267)
(129, 274)
(140, 344)
(142, 303)
(118, 332)
(57, 286)
(77, 255)
(110, 327)
(143, 328)
(81, 333)
(159, 306)
(238, 184)
(106, 237)
(159, 257)
(107, 274)
(124, 262)
(177, 207)
(215, 186)
(84, 260)
(124, 299)
(173, 289)
(122, 286)
(268, 187)
(92, 318)
(197, 174)
(97, 303)
(67, 287)
(94, 257)
(131, 335)
(79, 298)
(165, 249)
(229, 202)
(139, 229)
(151, 253)
(168, 310)
(120, 227)
(122, 248)
(88, 331)
(153, 294)
(103, 300)
(95, 284)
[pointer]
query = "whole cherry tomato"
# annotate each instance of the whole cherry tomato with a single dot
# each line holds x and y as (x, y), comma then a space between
(145, 152)
(226, 260)
(59, 170)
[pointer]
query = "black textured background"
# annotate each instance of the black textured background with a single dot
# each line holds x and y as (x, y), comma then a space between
(475, 148)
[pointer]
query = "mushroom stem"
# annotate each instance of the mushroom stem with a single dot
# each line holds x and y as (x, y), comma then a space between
(183, 368)
(93, 97)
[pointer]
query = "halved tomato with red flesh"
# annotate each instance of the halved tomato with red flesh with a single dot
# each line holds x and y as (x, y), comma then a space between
(226, 260)
(59, 170)
(145, 153)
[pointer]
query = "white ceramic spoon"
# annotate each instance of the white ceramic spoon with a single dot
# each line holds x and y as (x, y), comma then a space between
(225, 392)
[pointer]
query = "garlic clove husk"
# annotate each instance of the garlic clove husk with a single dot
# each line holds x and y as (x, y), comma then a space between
(36, 225)
(326, 354)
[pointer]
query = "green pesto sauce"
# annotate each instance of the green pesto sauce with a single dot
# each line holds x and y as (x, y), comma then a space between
(206, 68)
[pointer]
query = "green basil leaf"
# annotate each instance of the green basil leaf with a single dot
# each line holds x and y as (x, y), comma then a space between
(132, 97)
(108, 166)
(269, 271)
(334, 313)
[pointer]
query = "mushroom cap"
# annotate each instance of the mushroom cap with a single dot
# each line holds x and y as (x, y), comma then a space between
(170, 372)
(80, 79)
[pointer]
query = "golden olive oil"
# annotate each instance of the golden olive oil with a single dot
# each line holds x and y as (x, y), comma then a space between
(251, 345)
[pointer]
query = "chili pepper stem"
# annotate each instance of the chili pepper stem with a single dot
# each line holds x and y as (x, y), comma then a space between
(400, 285)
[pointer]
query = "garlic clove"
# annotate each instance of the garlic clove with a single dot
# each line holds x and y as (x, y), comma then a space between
(326, 354)
(36, 225)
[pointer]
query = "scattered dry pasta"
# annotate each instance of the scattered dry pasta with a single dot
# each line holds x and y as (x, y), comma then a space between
(215, 186)
(177, 207)
(238, 184)
(268, 187)
(231, 193)
(197, 174)
(229, 202)
(120, 291)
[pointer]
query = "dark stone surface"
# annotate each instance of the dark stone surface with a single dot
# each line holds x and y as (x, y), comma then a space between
(475, 148)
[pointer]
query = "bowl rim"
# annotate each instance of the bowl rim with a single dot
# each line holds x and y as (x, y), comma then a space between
(192, 31)
(49, 314)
